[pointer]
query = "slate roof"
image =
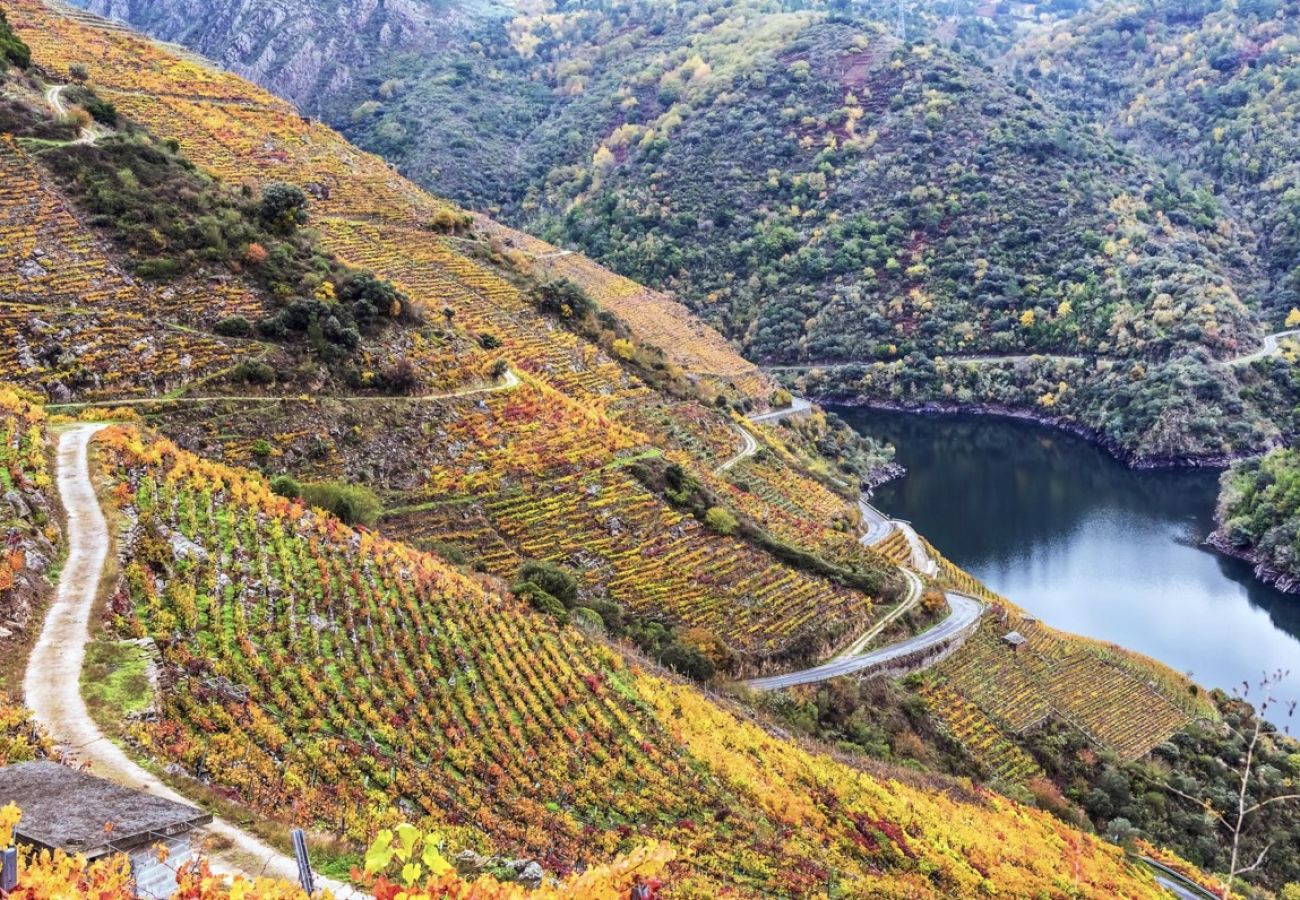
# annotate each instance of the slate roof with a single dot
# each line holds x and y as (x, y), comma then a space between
(67, 809)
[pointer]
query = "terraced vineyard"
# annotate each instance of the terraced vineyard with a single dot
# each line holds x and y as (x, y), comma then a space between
(108, 345)
(245, 135)
(577, 411)
(654, 559)
(345, 681)
(1120, 700)
(341, 680)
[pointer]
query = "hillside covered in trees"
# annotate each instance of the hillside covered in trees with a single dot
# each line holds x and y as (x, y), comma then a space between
(424, 519)
(825, 192)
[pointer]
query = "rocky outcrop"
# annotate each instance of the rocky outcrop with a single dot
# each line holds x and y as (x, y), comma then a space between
(307, 51)
(1265, 570)
(26, 524)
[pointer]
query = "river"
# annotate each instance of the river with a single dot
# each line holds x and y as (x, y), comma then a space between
(1061, 528)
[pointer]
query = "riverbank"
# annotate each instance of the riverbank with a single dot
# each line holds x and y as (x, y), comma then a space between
(1265, 572)
(1061, 527)
(1092, 435)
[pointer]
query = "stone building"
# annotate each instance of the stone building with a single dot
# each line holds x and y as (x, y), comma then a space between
(77, 812)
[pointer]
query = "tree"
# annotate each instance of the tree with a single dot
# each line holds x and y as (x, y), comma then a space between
(368, 297)
(12, 49)
(1293, 318)
(565, 299)
(283, 208)
(555, 580)
(1236, 819)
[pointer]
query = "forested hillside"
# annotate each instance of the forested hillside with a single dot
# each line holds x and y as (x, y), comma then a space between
(1210, 90)
(823, 192)
(426, 519)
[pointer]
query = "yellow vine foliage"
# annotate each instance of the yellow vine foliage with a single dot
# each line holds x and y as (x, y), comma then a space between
(45, 875)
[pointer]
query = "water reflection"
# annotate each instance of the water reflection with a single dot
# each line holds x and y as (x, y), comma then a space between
(1064, 530)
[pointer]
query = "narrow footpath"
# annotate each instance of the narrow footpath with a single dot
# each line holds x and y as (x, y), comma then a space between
(509, 381)
(54, 97)
(52, 686)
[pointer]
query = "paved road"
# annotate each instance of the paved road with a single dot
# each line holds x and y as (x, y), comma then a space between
(964, 612)
(52, 687)
(54, 97)
(879, 525)
(797, 407)
(508, 381)
(1267, 348)
(749, 448)
(1176, 883)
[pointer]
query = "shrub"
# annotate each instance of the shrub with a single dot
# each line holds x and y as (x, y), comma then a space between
(12, 49)
(283, 208)
(253, 371)
(720, 520)
(286, 486)
(489, 341)
(587, 620)
(101, 111)
(160, 268)
(687, 661)
(555, 580)
(541, 600)
(400, 376)
(234, 326)
(450, 552)
(563, 298)
(611, 614)
(352, 503)
(369, 298)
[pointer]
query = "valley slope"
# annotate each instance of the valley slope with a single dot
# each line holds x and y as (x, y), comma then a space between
(824, 192)
(510, 403)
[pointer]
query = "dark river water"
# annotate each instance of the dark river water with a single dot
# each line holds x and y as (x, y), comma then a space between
(1064, 530)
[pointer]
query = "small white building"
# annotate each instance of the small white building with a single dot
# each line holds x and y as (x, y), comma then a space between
(68, 810)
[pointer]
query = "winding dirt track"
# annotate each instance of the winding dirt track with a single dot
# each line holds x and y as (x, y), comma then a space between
(54, 97)
(52, 685)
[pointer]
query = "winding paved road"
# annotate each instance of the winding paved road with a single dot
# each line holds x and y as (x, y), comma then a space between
(52, 686)
(878, 526)
(1267, 348)
(965, 612)
(748, 449)
(798, 406)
